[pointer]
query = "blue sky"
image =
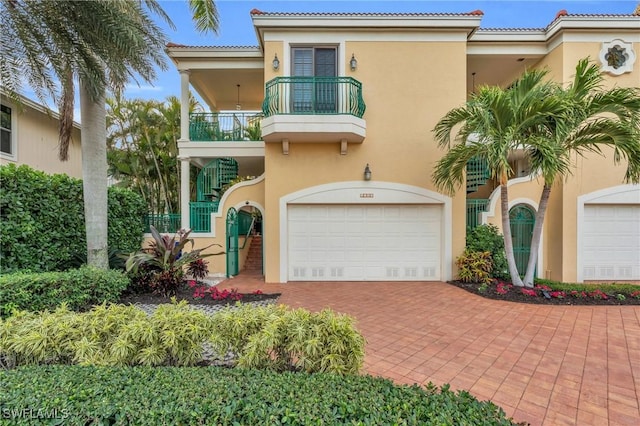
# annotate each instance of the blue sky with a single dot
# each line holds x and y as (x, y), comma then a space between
(236, 27)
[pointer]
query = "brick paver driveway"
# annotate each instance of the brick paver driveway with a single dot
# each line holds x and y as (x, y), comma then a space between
(547, 365)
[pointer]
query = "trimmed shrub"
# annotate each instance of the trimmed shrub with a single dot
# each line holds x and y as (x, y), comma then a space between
(77, 288)
(475, 266)
(43, 220)
(113, 335)
(268, 338)
(611, 288)
(152, 396)
(278, 338)
(488, 238)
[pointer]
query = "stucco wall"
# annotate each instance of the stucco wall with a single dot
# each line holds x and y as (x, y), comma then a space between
(405, 94)
(589, 173)
(37, 143)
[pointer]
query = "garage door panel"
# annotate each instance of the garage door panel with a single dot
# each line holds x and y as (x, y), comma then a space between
(346, 242)
(611, 242)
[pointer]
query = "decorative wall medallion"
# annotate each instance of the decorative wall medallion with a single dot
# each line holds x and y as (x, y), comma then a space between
(617, 57)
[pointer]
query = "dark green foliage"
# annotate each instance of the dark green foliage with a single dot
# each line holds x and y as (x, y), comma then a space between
(78, 288)
(43, 220)
(162, 395)
(126, 210)
(488, 238)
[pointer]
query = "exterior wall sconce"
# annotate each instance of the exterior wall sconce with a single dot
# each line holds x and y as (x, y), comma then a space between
(275, 63)
(353, 62)
(367, 172)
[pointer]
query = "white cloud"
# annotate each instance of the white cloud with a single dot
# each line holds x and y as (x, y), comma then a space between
(134, 88)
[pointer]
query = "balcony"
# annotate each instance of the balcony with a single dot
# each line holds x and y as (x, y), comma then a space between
(225, 126)
(313, 109)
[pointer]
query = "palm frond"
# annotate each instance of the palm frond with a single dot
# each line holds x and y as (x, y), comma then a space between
(205, 15)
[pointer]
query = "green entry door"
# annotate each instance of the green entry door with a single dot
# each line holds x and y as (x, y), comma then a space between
(232, 242)
(522, 220)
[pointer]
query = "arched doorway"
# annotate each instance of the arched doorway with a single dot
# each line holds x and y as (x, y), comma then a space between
(522, 218)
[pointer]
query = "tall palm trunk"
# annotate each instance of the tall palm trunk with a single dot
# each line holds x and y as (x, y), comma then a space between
(537, 235)
(506, 232)
(94, 177)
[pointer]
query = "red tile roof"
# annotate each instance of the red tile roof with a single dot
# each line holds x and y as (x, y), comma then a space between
(364, 14)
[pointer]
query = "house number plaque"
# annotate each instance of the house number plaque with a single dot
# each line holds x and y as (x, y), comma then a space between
(366, 195)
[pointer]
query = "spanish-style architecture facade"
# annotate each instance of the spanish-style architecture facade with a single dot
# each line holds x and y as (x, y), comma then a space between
(332, 116)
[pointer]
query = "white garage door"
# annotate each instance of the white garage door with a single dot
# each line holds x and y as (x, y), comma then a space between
(611, 242)
(364, 242)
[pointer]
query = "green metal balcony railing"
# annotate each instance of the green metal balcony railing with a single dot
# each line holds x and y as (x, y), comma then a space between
(313, 95)
(475, 207)
(163, 222)
(225, 126)
(200, 215)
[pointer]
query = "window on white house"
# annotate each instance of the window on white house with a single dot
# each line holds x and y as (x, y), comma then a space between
(6, 146)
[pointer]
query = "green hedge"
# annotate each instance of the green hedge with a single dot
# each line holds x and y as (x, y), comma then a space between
(42, 216)
(213, 395)
(78, 288)
(606, 287)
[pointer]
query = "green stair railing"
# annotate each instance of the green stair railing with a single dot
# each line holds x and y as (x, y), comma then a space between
(163, 222)
(214, 176)
(245, 225)
(475, 207)
(200, 215)
(225, 126)
(313, 95)
(477, 174)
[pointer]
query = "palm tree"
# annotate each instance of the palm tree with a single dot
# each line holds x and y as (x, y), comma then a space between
(142, 148)
(492, 124)
(98, 44)
(591, 118)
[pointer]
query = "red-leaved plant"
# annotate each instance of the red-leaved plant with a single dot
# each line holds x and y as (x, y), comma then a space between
(165, 259)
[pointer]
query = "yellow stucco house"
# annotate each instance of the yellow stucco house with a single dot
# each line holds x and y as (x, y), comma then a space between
(29, 135)
(332, 114)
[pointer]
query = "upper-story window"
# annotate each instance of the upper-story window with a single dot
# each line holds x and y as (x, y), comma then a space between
(6, 132)
(314, 94)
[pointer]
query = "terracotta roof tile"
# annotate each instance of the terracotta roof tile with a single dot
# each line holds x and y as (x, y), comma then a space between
(211, 47)
(366, 14)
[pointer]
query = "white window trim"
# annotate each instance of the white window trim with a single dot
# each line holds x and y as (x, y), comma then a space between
(14, 134)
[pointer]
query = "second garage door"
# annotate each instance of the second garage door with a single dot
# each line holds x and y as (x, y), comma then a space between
(611, 242)
(364, 242)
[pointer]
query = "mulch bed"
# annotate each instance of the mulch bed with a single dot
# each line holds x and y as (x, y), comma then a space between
(514, 294)
(186, 293)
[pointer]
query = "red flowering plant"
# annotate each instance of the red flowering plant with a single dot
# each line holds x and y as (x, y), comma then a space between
(502, 287)
(635, 294)
(529, 292)
(598, 294)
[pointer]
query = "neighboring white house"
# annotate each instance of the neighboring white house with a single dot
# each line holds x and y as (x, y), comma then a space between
(29, 135)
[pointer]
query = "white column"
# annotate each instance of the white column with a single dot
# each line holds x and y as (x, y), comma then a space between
(184, 191)
(184, 105)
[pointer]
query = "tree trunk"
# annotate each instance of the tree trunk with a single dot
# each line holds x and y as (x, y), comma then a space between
(506, 233)
(94, 177)
(537, 235)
